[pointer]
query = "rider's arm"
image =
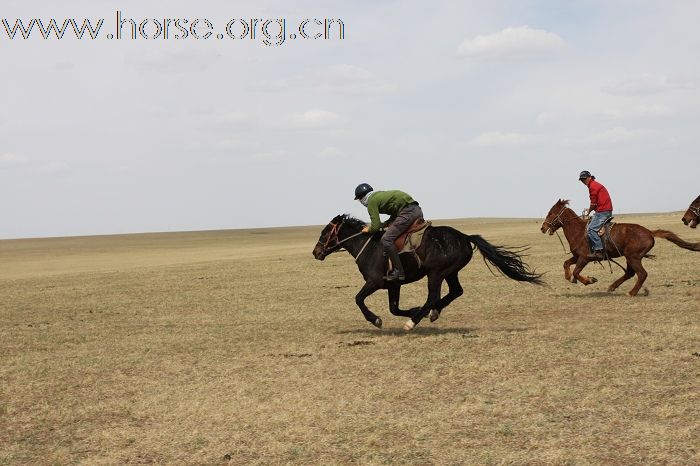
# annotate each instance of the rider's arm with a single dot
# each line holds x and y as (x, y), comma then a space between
(373, 210)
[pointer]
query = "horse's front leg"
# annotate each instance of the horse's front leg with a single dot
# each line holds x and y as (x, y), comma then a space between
(368, 288)
(394, 294)
(567, 268)
(586, 280)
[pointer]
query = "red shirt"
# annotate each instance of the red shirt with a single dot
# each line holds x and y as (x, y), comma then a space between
(600, 199)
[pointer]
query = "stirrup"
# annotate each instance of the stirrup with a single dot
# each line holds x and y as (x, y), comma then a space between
(394, 275)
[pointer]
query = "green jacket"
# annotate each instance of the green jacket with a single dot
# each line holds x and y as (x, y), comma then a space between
(388, 203)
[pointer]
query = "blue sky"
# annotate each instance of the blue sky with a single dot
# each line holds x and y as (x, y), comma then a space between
(475, 108)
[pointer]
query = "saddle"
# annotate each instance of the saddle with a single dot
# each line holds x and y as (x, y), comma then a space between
(411, 239)
(606, 228)
(605, 232)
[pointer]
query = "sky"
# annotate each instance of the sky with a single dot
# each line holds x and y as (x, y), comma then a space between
(475, 108)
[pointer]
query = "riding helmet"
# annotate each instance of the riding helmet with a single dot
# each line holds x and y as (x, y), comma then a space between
(585, 174)
(362, 190)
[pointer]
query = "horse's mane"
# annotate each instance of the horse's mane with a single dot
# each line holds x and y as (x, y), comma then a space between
(353, 221)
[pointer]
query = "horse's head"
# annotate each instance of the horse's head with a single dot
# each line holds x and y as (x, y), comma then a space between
(554, 219)
(692, 215)
(333, 234)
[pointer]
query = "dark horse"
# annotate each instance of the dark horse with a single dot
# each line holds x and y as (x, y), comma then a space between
(628, 239)
(443, 253)
(692, 215)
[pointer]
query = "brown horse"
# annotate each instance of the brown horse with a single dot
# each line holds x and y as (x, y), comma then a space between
(692, 215)
(626, 239)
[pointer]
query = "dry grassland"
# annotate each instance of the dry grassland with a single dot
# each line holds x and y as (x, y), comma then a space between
(237, 347)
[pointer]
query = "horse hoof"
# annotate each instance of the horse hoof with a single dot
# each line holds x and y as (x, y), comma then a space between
(408, 326)
(434, 315)
(377, 323)
(592, 280)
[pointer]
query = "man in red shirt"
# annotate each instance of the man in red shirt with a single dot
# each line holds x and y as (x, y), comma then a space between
(602, 205)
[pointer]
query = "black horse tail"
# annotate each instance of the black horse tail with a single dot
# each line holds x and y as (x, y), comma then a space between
(672, 237)
(509, 262)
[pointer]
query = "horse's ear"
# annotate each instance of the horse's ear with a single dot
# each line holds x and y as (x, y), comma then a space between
(565, 202)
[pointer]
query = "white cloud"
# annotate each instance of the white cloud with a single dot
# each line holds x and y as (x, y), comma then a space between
(545, 118)
(12, 160)
(272, 155)
(350, 79)
(642, 111)
(64, 66)
(495, 138)
(614, 136)
(173, 62)
(54, 168)
(315, 118)
(336, 79)
(649, 84)
(331, 152)
(513, 43)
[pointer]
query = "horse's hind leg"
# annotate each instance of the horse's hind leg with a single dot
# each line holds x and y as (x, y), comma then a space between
(368, 288)
(434, 283)
(629, 273)
(394, 295)
(636, 264)
(454, 292)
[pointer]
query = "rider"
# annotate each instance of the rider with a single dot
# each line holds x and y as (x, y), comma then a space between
(602, 205)
(403, 211)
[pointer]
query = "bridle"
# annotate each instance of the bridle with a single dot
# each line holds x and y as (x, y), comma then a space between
(558, 217)
(333, 235)
(695, 210)
(561, 224)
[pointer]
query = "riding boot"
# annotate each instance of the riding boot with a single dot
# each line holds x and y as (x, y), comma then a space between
(397, 272)
(597, 255)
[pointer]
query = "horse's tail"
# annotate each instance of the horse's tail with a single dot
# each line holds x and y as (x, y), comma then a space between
(509, 262)
(672, 237)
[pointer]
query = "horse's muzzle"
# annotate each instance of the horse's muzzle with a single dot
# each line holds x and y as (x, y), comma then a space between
(319, 253)
(690, 220)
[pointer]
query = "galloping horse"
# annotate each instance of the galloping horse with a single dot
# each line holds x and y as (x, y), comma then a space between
(692, 215)
(627, 239)
(442, 254)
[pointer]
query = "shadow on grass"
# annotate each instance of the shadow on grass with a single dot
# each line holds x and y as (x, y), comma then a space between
(420, 330)
(617, 294)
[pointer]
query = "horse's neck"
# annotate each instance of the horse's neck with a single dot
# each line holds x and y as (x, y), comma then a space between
(355, 245)
(573, 227)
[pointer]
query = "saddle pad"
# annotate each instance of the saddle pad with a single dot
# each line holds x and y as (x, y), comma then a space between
(412, 239)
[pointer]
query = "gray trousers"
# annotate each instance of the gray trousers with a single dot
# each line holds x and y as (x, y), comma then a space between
(403, 221)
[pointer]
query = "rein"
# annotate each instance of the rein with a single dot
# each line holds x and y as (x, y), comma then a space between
(333, 235)
(561, 222)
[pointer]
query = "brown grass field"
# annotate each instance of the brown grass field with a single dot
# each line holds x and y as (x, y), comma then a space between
(237, 347)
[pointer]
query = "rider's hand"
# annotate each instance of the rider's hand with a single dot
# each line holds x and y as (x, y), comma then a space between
(365, 229)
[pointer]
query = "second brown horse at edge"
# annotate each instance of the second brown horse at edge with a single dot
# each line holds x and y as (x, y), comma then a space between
(625, 239)
(692, 215)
